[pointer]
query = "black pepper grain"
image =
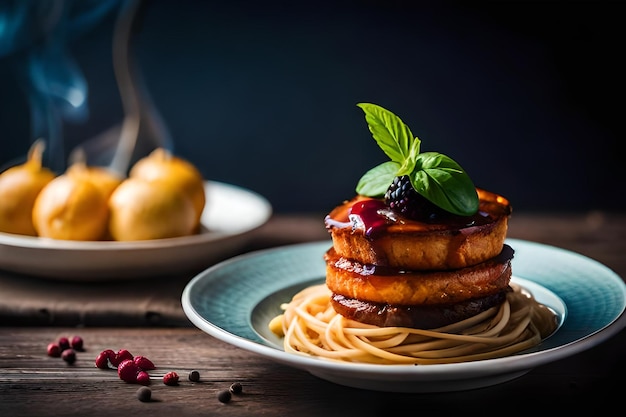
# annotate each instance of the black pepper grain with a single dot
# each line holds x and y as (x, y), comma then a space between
(224, 396)
(236, 388)
(194, 376)
(144, 394)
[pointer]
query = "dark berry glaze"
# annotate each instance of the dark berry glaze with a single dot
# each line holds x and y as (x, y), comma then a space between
(374, 217)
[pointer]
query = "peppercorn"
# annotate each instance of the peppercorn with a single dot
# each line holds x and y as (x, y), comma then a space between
(194, 376)
(224, 396)
(236, 388)
(144, 394)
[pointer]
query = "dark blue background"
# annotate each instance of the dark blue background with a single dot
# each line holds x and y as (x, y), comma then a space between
(526, 96)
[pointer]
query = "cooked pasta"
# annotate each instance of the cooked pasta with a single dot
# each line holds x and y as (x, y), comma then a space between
(310, 326)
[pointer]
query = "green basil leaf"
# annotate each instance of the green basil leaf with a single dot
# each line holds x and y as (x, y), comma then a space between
(375, 182)
(408, 165)
(433, 175)
(443, 182)
(392, 135)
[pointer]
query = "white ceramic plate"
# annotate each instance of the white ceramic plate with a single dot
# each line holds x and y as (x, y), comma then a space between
(235, 300)
(229, 216)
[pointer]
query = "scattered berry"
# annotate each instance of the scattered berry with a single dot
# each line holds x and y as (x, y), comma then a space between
(77, 343)
(127, 371)
(103, 358)
(144, 363)
(120, 356)
(224, 396)
(54, 350)
(143, 378)
(194, 376)
(64, 343)
(170, 378)
(69, 355)
(236, 388)
(144, 394)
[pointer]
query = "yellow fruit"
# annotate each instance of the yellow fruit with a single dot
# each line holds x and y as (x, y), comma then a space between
(71, 207)
(162, 165)
(142, 210)
(19, 187)
(104, 179)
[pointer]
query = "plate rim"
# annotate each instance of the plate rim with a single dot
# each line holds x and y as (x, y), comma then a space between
(465, 370)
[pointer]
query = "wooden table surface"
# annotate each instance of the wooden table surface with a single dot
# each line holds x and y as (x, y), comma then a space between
(34, 384)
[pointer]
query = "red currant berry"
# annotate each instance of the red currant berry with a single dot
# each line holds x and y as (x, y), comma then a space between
(120, 356)
(143, 378)
(64, 343)
(127, 371)
(102, 360)
(77, 343)
(69, 355)
(144, 363)
(170, 378)
(54, 350)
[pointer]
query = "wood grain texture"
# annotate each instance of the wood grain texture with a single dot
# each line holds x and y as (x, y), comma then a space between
(34, 384)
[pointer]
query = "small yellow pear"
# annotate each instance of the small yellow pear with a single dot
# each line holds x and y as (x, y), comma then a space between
(103, 178)
(161, 165)
(19, 187)
(71, 207)
(143, 210)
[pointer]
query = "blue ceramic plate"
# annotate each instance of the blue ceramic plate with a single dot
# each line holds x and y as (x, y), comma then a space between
(235, 300)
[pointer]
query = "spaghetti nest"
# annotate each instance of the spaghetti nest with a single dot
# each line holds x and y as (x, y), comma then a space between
(310, 326)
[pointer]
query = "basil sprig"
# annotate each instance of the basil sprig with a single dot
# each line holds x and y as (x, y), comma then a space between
(435, 176)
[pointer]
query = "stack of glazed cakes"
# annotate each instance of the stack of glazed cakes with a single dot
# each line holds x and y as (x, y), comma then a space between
(387, 269)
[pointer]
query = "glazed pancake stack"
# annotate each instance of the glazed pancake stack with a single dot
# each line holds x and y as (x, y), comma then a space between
(418, 271)
(388, 270)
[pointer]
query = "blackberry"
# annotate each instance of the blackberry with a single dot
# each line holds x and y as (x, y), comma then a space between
(402, 198)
